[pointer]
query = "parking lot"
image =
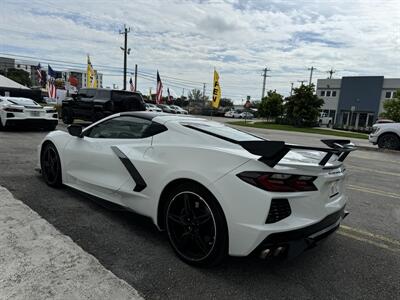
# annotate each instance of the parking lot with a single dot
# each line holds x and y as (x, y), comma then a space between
(362, 260)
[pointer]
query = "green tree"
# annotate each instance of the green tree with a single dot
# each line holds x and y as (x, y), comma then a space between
(19, 76)
(271, 106)
(392, 108)
(226, 102)
(195, 95)
(303, 107)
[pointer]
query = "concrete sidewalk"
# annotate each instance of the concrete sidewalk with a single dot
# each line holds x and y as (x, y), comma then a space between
(39, 262)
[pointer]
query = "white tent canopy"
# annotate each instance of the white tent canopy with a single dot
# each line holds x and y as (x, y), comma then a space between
(8, 83)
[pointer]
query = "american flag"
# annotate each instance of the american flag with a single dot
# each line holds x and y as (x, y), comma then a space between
(39, 73)
(51, 88)
(132, 86)
(159, 89)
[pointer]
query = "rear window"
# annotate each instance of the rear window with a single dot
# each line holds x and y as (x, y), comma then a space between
(222, 130)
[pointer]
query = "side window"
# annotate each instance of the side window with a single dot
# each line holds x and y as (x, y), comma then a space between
(328, 93)
(322, 93)
(90, 93)
(124, 127)
(333, 93)
(103, 94)
(82, 93)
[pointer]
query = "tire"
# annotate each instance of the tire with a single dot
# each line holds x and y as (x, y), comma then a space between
(50, 165)
(389, 141)
(67, 116)
(196, 225)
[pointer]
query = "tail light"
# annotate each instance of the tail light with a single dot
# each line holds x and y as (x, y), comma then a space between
(12, 109)
(279, 182)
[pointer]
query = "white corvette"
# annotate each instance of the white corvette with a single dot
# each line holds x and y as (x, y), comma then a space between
(17, 110)
(215, 190)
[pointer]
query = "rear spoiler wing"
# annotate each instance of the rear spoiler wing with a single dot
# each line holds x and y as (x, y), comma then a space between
(272, 152)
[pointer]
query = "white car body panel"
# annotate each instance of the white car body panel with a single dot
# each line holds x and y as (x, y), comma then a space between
(24, 109)
(90, 165)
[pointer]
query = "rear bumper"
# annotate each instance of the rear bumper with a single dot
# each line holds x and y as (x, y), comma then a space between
(292, 243)
(31, 122)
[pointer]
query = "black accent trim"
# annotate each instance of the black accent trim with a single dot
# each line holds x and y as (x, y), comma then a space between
(303, 233)
(140, 183)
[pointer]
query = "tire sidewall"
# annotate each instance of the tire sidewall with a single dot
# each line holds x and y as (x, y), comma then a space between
(58, 181)
(381, 139)
(220, 249)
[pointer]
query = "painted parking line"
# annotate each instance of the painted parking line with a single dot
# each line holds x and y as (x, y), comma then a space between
(373, 191)
(370, 238)
(373, 170)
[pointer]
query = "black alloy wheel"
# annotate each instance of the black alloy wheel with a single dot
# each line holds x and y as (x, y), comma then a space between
(196, 226)
(389, 141)
(51, 166)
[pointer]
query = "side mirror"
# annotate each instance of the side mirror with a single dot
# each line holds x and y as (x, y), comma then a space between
(75, 130)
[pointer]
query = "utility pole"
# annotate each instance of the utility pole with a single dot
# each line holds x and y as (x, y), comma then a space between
(204, 94)
(291, 88)
(301, 81)
(331, 72)
(126, 50)
(311, 71)
(266, 70)
(135, 77)
(183, 92)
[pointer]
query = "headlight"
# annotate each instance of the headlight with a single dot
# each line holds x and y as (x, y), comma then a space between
(375, 129)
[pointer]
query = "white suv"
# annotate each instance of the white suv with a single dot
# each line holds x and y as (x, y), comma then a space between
(386, 135)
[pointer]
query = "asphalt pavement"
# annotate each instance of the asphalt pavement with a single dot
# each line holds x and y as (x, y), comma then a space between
(360, 261)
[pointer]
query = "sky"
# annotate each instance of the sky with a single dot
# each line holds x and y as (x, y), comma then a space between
(186, 39)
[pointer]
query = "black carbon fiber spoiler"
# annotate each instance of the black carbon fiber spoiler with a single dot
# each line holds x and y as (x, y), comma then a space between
(272, 152)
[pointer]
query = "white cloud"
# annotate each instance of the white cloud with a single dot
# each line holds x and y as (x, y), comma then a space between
(187, 39)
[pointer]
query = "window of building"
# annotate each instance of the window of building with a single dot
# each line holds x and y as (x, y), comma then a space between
(322, 93)
(333, 93)
(328, 93)
(18, 66)
(394, 95)
(388, 95)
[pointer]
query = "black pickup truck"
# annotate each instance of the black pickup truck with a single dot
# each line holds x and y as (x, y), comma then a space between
(91, 104)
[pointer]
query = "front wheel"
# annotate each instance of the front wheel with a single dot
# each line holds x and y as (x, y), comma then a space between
(389, 141)
(50, 165)
(196, 226)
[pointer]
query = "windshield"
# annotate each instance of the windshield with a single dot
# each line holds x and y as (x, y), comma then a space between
(22, 101)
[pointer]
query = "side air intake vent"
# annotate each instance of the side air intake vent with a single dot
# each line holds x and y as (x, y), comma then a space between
(280, 209)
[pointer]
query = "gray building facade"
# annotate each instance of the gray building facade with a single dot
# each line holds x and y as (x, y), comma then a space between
(356, 102)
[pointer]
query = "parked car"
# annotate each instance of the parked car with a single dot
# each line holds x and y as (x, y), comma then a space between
(24, 111)
(265, 197)
(152, 107)
(92, 104)
(381, 121)
(166, 108)
(179, 110)
(243, 115)
(229, 114)
(325, 120)
(386, 135)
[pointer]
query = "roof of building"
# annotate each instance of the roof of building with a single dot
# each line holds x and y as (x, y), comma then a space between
(8, 83)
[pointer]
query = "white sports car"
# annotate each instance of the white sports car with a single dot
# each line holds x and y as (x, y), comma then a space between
(215, 190)
(17, 110)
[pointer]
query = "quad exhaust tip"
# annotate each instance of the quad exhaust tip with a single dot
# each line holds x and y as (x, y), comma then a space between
(272, 252)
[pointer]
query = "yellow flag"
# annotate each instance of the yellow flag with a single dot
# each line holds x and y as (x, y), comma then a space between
(95, 80)
(90, 76)
(216, 91)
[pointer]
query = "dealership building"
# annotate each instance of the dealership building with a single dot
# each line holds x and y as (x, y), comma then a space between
(356, 102)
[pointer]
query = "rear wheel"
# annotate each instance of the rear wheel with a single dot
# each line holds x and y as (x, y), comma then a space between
(196, 226)
(67, 116)
(389, 141)
(50, 165)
